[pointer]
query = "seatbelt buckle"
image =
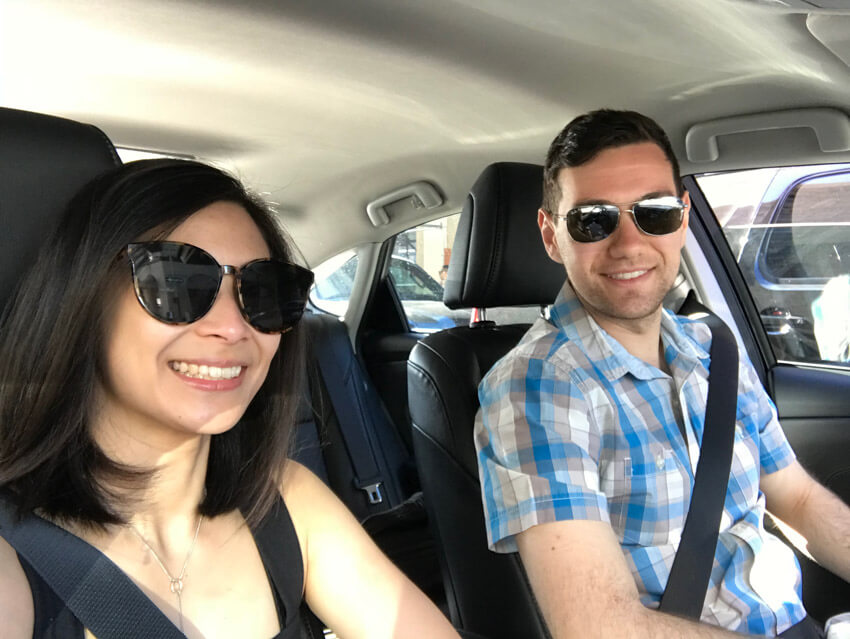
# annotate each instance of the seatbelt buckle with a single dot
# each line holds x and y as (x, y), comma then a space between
(373, 492)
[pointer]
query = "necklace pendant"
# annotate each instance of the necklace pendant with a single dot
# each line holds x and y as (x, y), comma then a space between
(177, 585)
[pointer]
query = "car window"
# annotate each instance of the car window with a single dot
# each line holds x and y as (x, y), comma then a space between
(809, 242)
(334, 281)
(418, 268)
(413, 283)
(789, 229)
(418, 265)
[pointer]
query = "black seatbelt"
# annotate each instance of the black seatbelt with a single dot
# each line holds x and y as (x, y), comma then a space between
(351, 418)
(689, 576)
(104, 599)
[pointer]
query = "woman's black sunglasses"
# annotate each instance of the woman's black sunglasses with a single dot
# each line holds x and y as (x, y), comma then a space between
(653, 216)
(178, 283)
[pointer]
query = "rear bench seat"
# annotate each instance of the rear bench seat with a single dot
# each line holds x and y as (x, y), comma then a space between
(346, 436)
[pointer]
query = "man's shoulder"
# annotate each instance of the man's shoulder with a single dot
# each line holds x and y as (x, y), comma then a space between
(542, 346)
(687, 332)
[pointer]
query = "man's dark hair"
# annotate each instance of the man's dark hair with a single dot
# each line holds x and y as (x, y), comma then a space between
(589, 134)
(52, 352)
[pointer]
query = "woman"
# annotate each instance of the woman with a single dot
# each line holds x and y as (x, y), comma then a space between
(150, 367)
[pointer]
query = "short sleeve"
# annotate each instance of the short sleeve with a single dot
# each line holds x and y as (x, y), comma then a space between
(538, 450)
(775, 452)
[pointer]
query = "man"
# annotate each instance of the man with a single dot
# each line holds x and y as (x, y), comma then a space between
(588, 434)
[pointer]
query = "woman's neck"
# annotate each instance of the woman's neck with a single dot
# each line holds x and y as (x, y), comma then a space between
(177, 462)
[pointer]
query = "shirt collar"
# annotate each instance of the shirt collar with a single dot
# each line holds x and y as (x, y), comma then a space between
(569, 316)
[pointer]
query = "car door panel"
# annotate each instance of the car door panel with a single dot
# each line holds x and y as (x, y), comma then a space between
(813, 401)
(814, 410)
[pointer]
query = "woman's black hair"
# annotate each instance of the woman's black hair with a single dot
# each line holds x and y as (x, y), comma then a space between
(52, 349)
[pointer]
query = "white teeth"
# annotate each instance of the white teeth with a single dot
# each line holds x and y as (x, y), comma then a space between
(626, 276)
(206, 372)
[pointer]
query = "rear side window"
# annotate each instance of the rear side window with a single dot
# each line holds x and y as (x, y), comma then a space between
(413, 283)
(789, 229)
(331, 291)
(418, 269)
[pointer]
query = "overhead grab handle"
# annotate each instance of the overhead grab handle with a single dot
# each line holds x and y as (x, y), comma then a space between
(831, 127)
(421, 195)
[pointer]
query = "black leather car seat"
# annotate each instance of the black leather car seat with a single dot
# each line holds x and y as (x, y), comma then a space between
(44, 160)
(498, 259)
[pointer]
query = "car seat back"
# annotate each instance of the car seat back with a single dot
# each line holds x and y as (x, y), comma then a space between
(498, 259)
(44, 160)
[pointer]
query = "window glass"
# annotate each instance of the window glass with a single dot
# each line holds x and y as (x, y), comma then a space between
(418, 269)
(808, 239)
(789, 229)
(334, 281)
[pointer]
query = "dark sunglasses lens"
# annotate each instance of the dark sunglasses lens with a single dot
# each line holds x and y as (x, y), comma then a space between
(175, 283)
(593, 222)
(659, 217)
(274, 294)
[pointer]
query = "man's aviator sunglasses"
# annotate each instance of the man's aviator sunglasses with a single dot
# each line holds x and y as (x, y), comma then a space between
(178, 283)
(595, 222)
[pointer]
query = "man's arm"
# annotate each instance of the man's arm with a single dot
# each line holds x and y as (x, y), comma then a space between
(585, 589)
(814, 512)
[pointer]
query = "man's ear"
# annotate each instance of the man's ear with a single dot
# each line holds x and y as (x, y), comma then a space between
(550, 239)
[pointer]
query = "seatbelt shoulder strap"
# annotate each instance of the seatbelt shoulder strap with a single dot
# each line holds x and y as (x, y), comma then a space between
(95, 590)
(691, 570)
(349, 410)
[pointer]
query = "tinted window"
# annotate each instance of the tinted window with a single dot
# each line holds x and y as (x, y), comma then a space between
(809, 238)
(413, 283)
(418, 268)
(789, 229)
(334, 282)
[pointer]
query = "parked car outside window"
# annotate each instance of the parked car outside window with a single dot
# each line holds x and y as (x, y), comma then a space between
(418, 262)
(790, 233)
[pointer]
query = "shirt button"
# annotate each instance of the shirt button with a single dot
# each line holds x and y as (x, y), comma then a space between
(659, 461)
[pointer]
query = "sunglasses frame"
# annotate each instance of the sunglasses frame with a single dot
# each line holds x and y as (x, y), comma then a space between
(679, 202)
(224, 269)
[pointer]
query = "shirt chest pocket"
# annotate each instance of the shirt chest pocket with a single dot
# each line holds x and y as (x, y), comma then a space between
(645, 496)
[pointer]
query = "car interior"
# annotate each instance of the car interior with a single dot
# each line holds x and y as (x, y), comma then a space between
(379, 125)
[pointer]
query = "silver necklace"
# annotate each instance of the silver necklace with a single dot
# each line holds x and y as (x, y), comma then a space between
(175, 583)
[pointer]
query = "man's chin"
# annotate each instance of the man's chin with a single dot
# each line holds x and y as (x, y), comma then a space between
(626, 309)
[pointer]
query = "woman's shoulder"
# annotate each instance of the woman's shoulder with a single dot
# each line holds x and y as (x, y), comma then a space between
(16, 607)
(299, 481)
(320, 519)
(307, 498)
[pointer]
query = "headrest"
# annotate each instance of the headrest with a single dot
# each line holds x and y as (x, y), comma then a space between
(498, 257)
(44, 160)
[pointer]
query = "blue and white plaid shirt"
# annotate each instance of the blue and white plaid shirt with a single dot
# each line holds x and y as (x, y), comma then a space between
(572, 426)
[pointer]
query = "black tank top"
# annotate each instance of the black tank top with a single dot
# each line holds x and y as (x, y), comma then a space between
(279, 550)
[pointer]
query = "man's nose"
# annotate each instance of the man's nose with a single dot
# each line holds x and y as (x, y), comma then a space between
(627, 233)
